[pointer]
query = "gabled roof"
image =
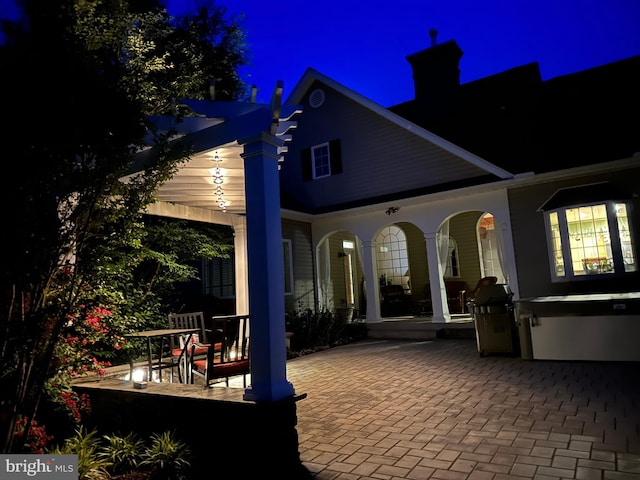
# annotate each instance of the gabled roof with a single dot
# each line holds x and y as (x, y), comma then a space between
(311, 75)
(521, 123)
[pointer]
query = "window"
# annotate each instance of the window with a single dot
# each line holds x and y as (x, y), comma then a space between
(392, 257)
(452, 270)
(348, 247)
(288, 266)
(590, 240)
(219, 277)
(320, 158)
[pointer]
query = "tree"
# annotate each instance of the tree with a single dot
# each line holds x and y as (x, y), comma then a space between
(84, 77)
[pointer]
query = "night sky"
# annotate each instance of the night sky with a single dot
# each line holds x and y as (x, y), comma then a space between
(364, 44)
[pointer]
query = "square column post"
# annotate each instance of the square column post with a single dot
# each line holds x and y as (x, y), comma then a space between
(267, 347)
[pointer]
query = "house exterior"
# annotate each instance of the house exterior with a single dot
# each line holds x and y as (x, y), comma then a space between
(532, 181)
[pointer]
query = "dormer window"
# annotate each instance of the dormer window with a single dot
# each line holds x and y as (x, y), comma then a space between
(589, 240)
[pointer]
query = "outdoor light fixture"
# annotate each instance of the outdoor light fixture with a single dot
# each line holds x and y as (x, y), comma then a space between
(218, 180)
(391, 210)
(138, 378)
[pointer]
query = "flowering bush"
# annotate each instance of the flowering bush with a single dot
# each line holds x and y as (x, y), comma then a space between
(85, 332)
(36, 440)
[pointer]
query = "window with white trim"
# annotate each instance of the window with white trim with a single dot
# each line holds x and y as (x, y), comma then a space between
(321, 160)
(393, 257)
(590, 240)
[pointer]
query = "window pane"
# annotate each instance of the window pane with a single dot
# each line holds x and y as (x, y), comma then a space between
(556, 245)
(321, 161)
(392, 257)
(589, 240)
(219, 277)
(628, 254)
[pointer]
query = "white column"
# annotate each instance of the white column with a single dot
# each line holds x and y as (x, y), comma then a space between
(240, 251)
(439, 303)
(267, 347)
(373, 287)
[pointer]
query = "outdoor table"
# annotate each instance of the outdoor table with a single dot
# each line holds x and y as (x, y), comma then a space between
(162, 334)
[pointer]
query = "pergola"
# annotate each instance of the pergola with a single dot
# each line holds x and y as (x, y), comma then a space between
(232, 179)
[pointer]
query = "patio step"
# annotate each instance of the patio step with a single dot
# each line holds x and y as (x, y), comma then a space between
(420, 330)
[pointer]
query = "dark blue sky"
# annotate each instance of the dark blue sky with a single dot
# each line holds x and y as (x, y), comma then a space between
(363, 44)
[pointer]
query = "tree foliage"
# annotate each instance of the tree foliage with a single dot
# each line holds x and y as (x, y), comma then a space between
(81, 78)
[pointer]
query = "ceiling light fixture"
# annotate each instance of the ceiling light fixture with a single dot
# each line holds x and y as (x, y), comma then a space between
(218, 180)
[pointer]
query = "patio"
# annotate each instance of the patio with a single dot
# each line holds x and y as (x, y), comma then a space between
(430, 409)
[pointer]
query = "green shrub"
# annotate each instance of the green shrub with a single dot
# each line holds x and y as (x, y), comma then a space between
(85, 444)
(314, 330)
(126, 457)
(124, 454)
(167, 457)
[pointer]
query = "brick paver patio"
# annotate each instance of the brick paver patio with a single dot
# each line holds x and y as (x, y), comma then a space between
(382, 409)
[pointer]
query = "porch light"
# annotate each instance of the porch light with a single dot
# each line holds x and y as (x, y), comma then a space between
(138, 375)
(391, 210)
(218, 180)
(218, 177)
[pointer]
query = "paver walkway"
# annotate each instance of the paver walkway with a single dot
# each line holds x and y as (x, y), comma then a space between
(383, 409)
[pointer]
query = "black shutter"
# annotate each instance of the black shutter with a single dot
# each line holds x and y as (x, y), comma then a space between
(336, 157)
(305, 157)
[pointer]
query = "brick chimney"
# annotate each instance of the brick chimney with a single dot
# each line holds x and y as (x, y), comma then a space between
(436, 76)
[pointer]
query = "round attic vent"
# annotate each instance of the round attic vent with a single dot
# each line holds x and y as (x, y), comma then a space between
(316, 99)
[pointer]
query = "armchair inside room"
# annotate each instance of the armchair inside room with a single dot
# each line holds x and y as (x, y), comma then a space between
(455, 291)
(231, 359)
(468, 297)
(394, 301)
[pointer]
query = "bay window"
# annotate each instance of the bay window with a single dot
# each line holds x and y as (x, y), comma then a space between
(590, 239)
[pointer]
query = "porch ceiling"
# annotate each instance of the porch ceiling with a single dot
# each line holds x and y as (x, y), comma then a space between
(193, 184)
(214, 133)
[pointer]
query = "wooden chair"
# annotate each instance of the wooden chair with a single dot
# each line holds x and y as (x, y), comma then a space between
(232, 359)
(199, 341)
(468, 297)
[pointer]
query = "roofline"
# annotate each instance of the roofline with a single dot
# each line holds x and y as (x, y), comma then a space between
(518, 181)
(312, 75)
